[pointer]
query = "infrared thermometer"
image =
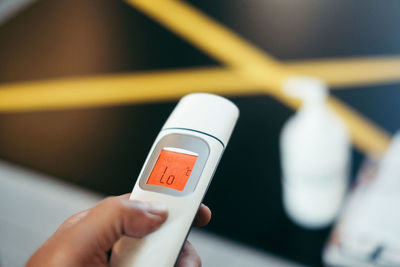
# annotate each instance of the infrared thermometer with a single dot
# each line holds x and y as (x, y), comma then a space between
(177, 172)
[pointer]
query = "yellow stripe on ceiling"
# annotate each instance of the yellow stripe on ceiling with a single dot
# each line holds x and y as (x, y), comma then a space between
(254, 64)
(211, 37)
(350, 71)
(169, 85)
(119, 89)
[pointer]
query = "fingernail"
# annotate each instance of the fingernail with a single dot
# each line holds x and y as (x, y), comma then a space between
(157, 208)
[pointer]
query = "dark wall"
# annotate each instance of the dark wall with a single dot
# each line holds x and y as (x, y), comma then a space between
(103, 149)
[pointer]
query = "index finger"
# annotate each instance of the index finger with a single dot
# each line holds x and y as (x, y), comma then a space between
(203, 216)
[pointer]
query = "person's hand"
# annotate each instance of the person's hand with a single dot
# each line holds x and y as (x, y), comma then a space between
(86, 238)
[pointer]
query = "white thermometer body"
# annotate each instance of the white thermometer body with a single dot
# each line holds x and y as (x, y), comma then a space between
(177, 172)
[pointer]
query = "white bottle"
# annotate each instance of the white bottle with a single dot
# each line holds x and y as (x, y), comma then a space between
(315, 156)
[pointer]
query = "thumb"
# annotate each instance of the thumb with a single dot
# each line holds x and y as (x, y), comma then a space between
(114, 217)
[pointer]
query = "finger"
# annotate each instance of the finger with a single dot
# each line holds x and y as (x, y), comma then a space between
(74, 219)
(203, 216)
(118, 216)
(124, 196)
(189, 257)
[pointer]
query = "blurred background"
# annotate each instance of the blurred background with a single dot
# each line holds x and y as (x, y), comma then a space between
(101, 149)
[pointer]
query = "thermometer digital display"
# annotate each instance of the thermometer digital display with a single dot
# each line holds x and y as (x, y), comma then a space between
(173, 168)
(177, 172)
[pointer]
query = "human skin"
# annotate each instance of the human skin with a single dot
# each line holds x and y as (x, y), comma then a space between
(86, 238)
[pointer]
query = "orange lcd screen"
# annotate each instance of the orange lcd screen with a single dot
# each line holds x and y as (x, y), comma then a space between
(172, 169)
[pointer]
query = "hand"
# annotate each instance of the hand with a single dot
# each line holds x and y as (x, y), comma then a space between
(86, 238)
